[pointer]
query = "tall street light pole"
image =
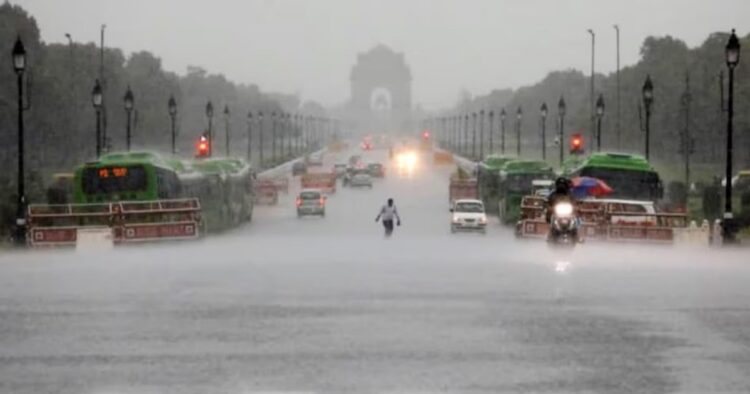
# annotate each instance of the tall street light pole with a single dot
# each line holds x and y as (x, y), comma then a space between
(648, 100)
(543, 112)
(503, 115)
(129, 103)
(492, 132)
(103, 109)
(249, 137)
(617, 114)
(172, 107)
(289, 131)
(474, 135)
(273, 137)
(481, 135)
(226, 129)
(210, 116)
(19, 66)
(260, 138)
(561, 134)
(599, 116)
(732, 53)
(591, 96)
(466, 135)
(96, 101)
(519, 117)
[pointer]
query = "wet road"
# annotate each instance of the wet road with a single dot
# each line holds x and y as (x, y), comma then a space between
(329, 305)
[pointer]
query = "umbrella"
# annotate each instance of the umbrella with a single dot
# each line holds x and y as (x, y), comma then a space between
(586, 186)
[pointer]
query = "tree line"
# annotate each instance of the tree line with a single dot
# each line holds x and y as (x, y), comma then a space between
(60, 123)
(687, 95)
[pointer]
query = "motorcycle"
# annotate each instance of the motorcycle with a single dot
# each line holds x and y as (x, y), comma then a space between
(564, 224)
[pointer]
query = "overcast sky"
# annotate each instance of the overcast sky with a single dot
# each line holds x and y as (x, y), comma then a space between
(309, 46)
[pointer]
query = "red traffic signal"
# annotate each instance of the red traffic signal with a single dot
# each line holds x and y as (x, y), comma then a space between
(576, 143)
(426, 135)
(202, 147)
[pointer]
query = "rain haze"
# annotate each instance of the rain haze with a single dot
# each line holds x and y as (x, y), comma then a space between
(308, 47)
(374, 197)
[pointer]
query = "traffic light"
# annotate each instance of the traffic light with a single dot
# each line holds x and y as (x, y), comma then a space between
(426, 135)
(202, 147)
(576, 144)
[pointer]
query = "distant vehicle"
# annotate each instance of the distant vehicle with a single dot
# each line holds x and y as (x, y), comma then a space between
(354, 160)
(311, 202)
(468, 215)
(315, 160)
(351, 172)
(376, 170)
(299, 168)
(361, 179)
(339, 169)
(628, 211)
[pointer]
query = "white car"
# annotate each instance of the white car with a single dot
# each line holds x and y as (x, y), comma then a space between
(311, 202)
(468, 215)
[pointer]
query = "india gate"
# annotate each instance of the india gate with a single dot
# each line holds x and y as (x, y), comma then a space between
(380, 92)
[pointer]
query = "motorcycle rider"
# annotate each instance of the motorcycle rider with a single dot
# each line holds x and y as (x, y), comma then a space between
(387, 213)
(561, 193)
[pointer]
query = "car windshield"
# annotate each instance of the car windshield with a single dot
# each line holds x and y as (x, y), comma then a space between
(309, 195)
(469, 207)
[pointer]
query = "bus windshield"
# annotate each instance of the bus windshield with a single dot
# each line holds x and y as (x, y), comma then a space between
(634, 185)
(114, 179)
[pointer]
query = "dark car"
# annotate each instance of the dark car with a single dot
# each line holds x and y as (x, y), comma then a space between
(299, 168)
(376, 170)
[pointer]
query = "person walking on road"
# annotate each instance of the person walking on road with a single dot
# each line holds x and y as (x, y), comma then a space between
(387, 213)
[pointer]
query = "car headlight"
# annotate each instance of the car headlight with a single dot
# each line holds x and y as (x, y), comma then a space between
(483, 220)
(563, 209)
(455, 219)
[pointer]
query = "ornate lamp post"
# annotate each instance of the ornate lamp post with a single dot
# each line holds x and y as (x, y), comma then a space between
(519, 117)
(648, 99)
(599, 116)
(260, 138)
(129, 103)
(481, 135)
(492, 132)
(210, 116)
(543, 113)
(503, 115)
(96, 101)
(561, 132)
(226, 128)
(19, 66)
(732, 53)
(172, 106)
(249, 136)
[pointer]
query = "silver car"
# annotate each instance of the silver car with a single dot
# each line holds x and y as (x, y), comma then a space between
(311, 202)
(361, 180)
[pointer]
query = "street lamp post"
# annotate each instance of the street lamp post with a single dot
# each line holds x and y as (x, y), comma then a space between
(273, 137)
(19, 66)
(249, 137)
(226, 128)
(210, 115)
(492, 131)
(465, 150)
(561, 132)
(503, 115)
(474, 135)
(481, 135)
(648, 100)
(260, 138)
(129, 102)
(543, 111)
(732, 53)
(519, 117)
(591, 97)
(619, 132)
(599, 116)
(172, 106)
(96, 101)
(289, 130)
